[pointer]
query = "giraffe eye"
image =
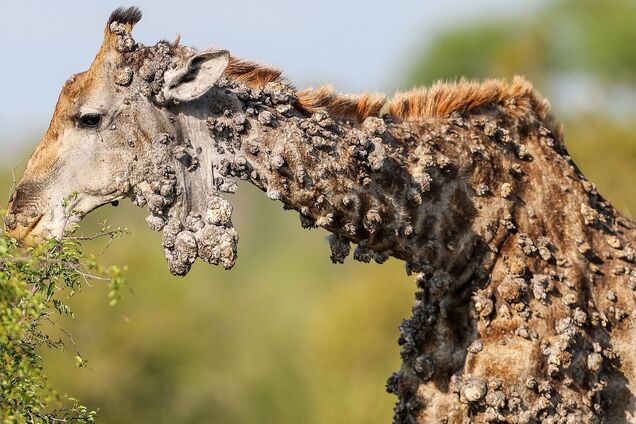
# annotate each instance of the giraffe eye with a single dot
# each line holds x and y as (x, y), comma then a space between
(89, 120)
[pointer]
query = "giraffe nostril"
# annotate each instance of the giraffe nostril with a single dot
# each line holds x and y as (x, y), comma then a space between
(10, 221)
(32, 211)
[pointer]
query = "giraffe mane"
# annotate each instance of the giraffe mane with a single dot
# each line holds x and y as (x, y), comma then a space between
(251, 73)
(352, 107)
(441, 99)
(518, 97)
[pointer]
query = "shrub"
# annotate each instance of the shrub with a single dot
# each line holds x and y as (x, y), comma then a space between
(35, 286)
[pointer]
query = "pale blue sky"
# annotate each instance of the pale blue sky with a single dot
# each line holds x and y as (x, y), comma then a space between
(355, 45)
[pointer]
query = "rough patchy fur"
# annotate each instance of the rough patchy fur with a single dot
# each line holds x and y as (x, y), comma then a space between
(525, 308)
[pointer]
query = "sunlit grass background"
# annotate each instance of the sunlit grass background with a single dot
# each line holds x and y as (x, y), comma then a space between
(286, 336)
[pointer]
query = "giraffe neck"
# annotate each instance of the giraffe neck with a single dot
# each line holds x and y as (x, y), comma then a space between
(423, 191)
(460, 198)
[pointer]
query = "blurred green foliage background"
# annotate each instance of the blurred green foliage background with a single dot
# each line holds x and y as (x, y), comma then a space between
(288, 337)
(580, 54)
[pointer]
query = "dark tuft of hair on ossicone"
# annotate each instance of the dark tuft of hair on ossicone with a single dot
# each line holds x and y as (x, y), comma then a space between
(130, 15)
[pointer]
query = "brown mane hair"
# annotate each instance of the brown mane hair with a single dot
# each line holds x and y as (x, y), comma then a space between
(251, 73)
(441, 99)
(350, 107)
(339, 106)
(444, 98)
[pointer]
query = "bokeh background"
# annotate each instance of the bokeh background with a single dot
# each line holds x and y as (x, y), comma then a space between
(286, 336)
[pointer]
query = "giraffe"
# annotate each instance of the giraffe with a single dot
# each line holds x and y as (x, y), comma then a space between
(525, 309)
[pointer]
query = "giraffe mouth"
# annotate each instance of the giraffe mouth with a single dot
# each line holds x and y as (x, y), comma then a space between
(22, 233)
(58, 221)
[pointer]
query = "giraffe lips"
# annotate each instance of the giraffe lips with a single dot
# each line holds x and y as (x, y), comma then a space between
(57, 220)
(25, 234)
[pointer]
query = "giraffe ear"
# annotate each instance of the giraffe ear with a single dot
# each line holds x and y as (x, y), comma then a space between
(196, 77)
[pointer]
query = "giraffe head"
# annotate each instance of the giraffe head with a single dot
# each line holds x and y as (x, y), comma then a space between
(107, 119)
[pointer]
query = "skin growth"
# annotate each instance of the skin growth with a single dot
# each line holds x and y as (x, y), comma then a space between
(525, 310)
